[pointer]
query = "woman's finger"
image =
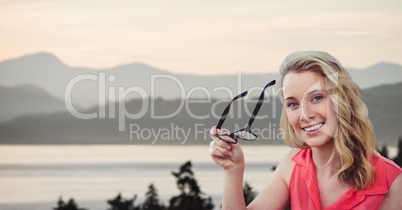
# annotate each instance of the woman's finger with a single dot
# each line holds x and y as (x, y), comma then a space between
(224, 150)
(213, 131)
(225, 139)
(214, 153)
(222, 143)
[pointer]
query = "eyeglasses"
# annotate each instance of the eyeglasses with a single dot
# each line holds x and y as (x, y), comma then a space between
(244, 133)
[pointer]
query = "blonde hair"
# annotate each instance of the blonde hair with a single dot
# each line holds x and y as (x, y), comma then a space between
(354, 142)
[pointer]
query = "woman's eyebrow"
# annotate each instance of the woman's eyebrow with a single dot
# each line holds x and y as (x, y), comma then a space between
(308, 94)
(313, 92)
(290, 98)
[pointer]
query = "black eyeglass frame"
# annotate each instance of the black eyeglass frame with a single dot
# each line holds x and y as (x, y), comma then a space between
(247, 127)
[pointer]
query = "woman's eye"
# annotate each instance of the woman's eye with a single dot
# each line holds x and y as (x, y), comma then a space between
(292, 105)
(317, 98)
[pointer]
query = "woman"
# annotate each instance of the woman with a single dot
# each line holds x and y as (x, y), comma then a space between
(334, 163)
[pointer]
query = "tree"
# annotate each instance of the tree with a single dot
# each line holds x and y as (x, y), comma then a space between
(249, 193)
(398, 158)
(191, 196)
(119, 203)
(384, 151)
(60, 204)
(152, 200)
(71, 205)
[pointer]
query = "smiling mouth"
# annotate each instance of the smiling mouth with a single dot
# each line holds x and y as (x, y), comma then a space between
(313, 127)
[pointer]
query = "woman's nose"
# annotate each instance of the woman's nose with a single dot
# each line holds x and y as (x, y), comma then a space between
(306, 113)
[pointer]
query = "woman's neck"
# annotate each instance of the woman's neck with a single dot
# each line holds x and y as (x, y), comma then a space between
(321, 156)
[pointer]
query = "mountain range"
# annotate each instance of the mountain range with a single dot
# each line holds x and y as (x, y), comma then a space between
(52, 75)
(32, 90)
(183, 127)
(25, 100)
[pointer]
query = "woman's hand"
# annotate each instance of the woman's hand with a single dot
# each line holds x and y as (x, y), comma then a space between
(228, 156)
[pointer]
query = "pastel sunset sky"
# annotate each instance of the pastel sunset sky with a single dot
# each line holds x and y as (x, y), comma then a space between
(204, 36)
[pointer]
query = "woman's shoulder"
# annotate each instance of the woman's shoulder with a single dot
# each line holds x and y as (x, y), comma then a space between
(288, 159)
(291, 154)
(392, 198)
(298, 156)
(287, 164)
(391, 176)
(390, 168)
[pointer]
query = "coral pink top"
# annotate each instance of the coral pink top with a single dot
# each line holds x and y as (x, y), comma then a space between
(304, 193)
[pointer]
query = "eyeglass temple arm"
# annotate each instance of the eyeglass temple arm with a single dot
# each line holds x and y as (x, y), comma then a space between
(259, 104)
(227, 109)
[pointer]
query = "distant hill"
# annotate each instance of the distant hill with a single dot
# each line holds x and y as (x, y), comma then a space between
(62, 128)
(384, 104)
(52, 75)
(33, 87)
(26, 100)
(49, 73)
(378, 74)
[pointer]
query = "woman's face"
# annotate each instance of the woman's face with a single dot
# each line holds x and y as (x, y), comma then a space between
(309, 108)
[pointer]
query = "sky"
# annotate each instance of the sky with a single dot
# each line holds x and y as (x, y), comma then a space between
(204, 37)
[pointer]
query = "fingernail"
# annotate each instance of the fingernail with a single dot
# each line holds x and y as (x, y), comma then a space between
(228, 147)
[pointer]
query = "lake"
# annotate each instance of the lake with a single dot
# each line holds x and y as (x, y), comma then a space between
(34, 177)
